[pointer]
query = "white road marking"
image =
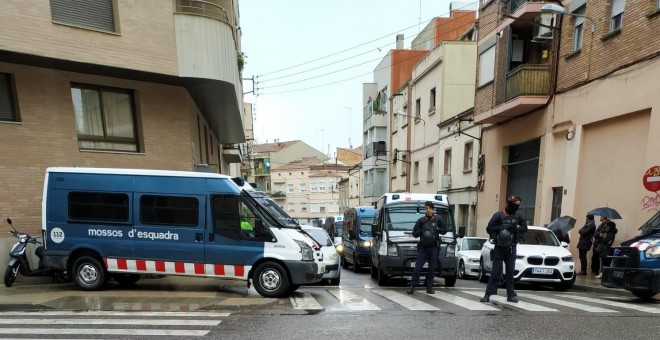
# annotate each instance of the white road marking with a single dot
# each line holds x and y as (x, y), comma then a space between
(462, 302)
(586, 308)
(110, 313)
(404, 300)
(304, 301)
(521, 304)
(352, 301)
(104, 331)
(84, 321)
(640, 308)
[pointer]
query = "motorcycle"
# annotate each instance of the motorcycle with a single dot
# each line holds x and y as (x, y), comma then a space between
(18, 260)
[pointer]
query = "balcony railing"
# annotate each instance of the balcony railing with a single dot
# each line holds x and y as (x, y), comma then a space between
(261, 172)
(528, 80)
(205, 8)
(278, 194)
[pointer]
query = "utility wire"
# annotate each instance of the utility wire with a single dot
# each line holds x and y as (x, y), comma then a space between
(354, 47)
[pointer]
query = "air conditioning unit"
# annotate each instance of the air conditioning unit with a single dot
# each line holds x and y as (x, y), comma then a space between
(445, 182)
(545, 26)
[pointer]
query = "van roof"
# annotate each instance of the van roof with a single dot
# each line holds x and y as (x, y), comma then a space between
(137, 172)
(403, 197)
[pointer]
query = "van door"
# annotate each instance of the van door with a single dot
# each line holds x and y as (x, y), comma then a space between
(233, 243)
(169, 228)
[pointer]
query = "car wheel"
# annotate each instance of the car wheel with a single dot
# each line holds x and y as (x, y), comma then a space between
(643, 294)
(344, 264)
(270, 280)
(565, 285)
(450, 281)
(461, 269)
(356, 267)
(89, 273)
(482, 272)
(374, 271)
(335, 282)
(382, 278)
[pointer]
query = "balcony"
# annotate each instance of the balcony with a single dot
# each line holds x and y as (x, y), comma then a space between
(278, 195)
(528, 80)
(232, 153)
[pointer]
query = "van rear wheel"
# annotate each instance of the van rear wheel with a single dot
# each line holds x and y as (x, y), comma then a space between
(270, 280)
(89, 273)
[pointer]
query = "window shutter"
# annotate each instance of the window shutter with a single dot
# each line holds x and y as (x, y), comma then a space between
(617, 7)
(487, 66)
(96, 14)
(7, 112)
(579, 20)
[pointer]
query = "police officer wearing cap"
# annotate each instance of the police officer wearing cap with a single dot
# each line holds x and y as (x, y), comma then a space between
(505, 228)
(428, 228)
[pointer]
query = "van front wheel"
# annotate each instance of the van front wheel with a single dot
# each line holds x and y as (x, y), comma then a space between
(89, 273)
(270, 280)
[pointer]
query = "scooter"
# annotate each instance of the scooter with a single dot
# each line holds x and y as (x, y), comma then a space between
(18, 260)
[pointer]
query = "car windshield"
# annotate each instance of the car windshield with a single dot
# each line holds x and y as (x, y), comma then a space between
(365, 226)
(474, 244)
(539, 237)
(337, 225)
(320, 236)
(403, 217)
(274, 210)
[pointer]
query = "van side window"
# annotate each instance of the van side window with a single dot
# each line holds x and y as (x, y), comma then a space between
(169, 210)
(225, 216)
(98, 206)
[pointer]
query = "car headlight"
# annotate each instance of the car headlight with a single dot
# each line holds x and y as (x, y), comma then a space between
(366, 244)
(340, 248)
(332, 257)
(520, 257)
(451, 251)
(652, 253)
(306, 251)
(473, 260)
(567, 258)
(391, 250)
(446, 239)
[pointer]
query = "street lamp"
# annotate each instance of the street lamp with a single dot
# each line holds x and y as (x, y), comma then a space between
(556, 9)
(399, 113)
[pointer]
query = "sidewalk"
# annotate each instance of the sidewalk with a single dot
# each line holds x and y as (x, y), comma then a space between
(166, 294)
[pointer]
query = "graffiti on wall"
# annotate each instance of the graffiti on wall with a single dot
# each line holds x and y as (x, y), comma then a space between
(651, 181)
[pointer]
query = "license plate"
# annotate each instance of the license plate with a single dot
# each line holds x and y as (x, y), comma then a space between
(412, 265)
(542, 271)
(617, 274)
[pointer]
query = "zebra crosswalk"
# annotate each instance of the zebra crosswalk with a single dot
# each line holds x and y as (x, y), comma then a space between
(457, 299)
(96, 324)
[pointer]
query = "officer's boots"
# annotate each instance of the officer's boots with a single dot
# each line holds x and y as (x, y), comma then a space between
(486, 298)
(429, 290)
(411, 289)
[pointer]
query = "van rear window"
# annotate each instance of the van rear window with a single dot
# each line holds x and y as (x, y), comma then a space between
(97, 206)
(169, 210)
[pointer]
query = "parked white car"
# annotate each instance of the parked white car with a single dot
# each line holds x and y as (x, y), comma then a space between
(468, 254)
(330, 256)
(540, 258)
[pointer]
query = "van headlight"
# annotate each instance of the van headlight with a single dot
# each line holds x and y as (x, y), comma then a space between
(365, 244)
(332, 257)
(652, 253)
(391, 250)
(306, 251)
(451, 251)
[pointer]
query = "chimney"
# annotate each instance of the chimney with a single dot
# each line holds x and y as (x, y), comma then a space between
(399, 41)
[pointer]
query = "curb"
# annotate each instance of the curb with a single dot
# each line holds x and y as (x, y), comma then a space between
(602, 290)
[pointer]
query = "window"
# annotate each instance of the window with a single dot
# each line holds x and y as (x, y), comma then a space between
(403, 164)
(289, 188)
(657, 4)
(617, 14)
(447, 169)
(321, 186)
(314, 186)
(96, 14)
(105, 118)
(8, 107)
(418, 107)
(303, 206)
(303, 187)
(578, 31)
(279, 187)
(416, 172)
(432, 101)
(315, 207)
(467, 156)
(169, 210)
(290, 206)
(322, 207)
(99, 207)
(487, 66)
(429, 170)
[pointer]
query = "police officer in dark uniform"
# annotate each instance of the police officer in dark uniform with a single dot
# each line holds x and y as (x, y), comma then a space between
(428, 228)
(505, 227)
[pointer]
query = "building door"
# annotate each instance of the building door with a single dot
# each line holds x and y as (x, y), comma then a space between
(522, 177)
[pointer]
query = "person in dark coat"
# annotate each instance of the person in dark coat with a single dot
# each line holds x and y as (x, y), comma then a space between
(584, 243)
(427, 252)
(598, 244)
(608, 237)
(511, 223)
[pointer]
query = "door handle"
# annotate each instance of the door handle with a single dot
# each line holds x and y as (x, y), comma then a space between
(199, 237)
(211, 237)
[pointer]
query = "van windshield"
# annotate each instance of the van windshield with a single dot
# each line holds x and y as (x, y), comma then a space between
(403, 218)
(365, 226)
(273, 209)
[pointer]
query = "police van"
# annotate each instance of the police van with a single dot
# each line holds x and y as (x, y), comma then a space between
(120, 223)
(394, 248)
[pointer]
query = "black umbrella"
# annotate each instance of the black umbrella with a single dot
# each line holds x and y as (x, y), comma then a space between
(606, 212)
(562, 225)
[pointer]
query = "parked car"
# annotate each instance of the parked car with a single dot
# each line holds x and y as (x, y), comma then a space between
(540, 258)
(331, 258)
(468, 254)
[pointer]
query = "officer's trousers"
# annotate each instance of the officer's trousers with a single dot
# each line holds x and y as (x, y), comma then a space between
(429, 254)
(506, 255)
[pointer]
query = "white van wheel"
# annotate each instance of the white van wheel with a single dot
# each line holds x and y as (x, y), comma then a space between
(270, 280)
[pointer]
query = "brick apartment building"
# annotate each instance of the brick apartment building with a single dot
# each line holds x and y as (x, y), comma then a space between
(569, 116)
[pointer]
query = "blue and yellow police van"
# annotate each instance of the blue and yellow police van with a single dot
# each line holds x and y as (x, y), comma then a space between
(100, 224)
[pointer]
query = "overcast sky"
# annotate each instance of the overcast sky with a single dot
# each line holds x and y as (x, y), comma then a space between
(311, 57)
